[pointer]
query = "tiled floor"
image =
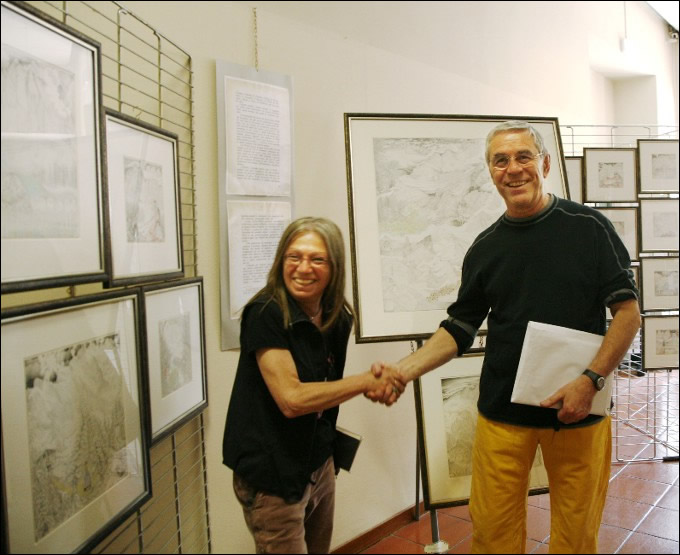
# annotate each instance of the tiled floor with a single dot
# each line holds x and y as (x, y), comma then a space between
(641, 513)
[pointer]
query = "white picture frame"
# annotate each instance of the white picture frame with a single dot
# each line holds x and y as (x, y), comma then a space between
(446, 409)
(74, 421)
(574, 167)
(659, 165)
(625, 222)
(610, 175)
(659, 342)
(659, 225)
(53, 184)
(175, 354)
(659, 283)
(144, 202)
(408, 177)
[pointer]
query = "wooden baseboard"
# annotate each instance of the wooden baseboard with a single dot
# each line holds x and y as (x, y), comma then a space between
(367, 539)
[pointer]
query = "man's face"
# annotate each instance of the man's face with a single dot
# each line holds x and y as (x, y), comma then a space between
(520, 184)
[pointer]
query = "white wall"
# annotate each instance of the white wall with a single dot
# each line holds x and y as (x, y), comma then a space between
(528, 58)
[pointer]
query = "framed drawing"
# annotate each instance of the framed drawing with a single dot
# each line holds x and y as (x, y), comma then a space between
(659, 342)
(419, 193)
(659, 225)
(75, 443)
(574, 167)
(144, 202)
(175, 354)
(53, 187)
(610, 175)
(659, 283)
(625, 222)
(658, 161)
(446, 410)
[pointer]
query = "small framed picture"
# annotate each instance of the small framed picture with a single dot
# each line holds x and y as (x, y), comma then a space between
(659, 283)
(658, 161)
(175, 353)
(446, 410)
(625, 222)
(610, 174)
(144, 202)
(659, 225)
(574, 167)
(660, 342)
(53, 184)
(75, 445)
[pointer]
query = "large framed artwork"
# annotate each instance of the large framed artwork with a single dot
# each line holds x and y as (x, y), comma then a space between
(144, 201)
(574, 166)
(74, 435)
(659, 342)
(419, 193)
(610, 175)
(659, 283)
(625, 222)
(658, 163)
(53, 187)
(175, 353)
(446, 410)
(659, 225)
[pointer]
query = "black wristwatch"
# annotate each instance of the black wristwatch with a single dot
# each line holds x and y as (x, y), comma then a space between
(598, 381)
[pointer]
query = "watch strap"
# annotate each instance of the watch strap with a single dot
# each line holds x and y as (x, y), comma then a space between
(597, 379)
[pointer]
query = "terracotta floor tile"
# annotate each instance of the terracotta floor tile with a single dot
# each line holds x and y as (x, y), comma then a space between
(666, 473)
(662, 523)
(623, 513)
(464, 546)
(461, 511)
(610, 538)
(394, 544)
(451, 529)
(670, 500)
(636, 489)
(538, 523)
(541, 501)
(643, 543)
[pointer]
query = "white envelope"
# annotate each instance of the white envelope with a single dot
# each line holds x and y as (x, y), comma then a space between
(552, 356)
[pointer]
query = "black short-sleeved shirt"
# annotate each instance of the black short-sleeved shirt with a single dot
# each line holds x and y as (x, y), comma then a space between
(269, 451)
(563, 266)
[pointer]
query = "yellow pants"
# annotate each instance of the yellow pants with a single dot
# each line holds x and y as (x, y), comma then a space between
(578, 464)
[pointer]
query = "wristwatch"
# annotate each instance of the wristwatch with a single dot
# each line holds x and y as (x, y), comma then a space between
(598, 381)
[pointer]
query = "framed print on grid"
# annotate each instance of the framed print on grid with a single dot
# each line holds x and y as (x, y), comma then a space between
(625, 222)
(610, 175)
(175, 354)
(53, 187)
(144, 201)
(659, 341)
(658, 161)
(574, 167)
(419, 193)
(659, 225)
(74, 435)
(659, 283)
(446, 410)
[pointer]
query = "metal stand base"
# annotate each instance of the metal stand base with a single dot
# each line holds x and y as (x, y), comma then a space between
(439, 547)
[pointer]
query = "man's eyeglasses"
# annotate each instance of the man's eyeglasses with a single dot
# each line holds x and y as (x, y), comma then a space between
(313, 261)
(502, 161)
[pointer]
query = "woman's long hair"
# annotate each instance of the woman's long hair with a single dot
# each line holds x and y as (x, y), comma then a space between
(333, 301)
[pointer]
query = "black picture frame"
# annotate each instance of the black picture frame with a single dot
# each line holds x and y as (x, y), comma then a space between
(75, 441)
(54, 194)
(174, 354)
(144, 202)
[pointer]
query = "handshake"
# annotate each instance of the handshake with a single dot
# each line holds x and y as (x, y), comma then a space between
(385, 383)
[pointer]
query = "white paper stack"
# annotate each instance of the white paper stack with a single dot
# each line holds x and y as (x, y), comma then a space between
(552, 356)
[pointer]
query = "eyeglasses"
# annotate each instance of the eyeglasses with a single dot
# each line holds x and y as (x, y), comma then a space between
(313, 261)
(502, 161)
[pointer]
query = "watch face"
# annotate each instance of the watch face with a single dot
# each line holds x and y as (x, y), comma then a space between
(600, 383)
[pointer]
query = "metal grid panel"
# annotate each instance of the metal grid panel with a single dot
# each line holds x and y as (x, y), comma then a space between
(645, 415)
(148, 77)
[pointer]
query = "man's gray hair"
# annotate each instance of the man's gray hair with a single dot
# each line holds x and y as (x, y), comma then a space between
(515, 125)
